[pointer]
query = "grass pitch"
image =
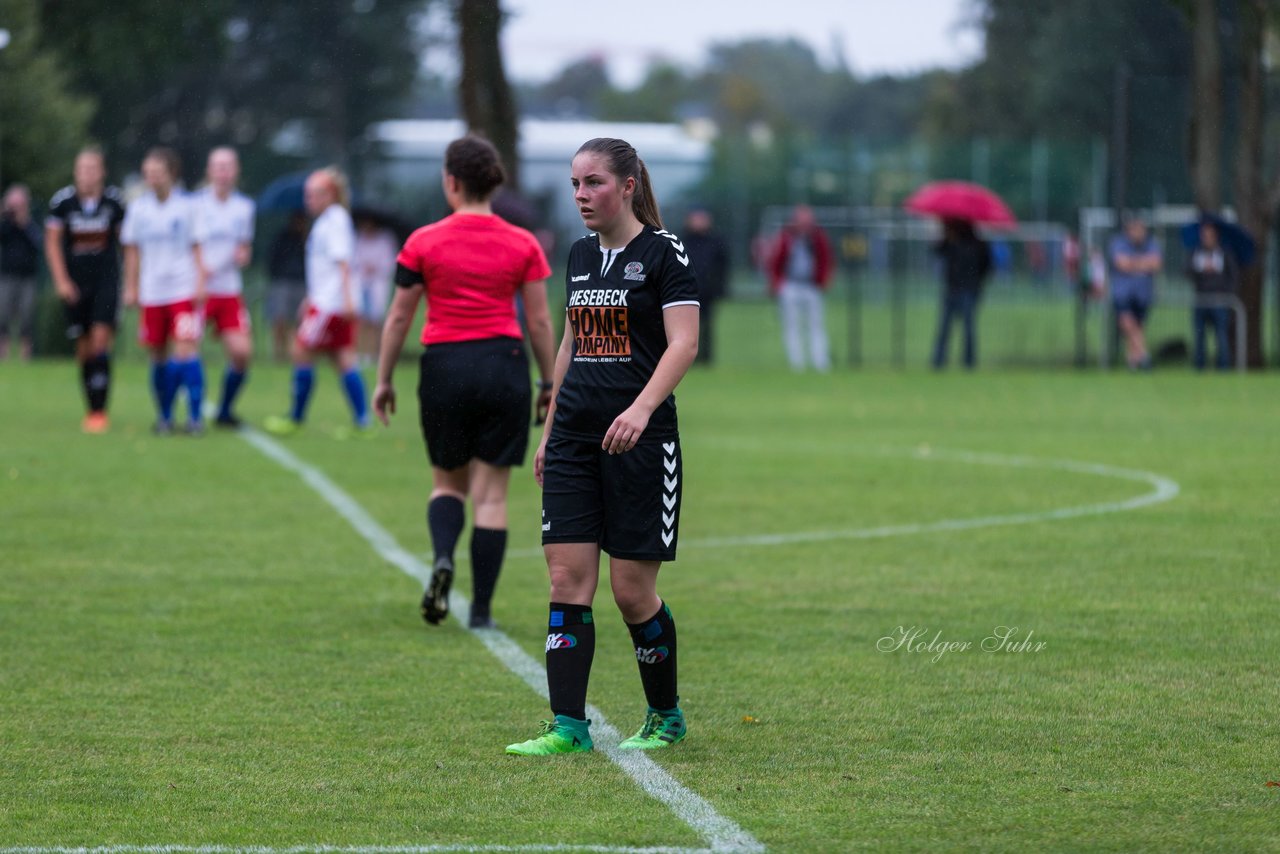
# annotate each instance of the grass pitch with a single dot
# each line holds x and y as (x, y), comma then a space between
(196, 650)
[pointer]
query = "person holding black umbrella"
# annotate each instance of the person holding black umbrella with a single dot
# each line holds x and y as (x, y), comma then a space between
(1214, 273)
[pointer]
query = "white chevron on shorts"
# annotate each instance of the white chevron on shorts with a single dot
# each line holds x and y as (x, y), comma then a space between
(669, 493)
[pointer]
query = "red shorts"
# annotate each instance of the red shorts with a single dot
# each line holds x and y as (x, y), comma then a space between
(177, 321)
(226, 314)
(321, 331)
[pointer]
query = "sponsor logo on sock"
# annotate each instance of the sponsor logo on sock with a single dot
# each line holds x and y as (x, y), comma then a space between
(557, 640)
(651, 655)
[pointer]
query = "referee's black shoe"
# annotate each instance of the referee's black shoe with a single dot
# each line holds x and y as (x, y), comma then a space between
(435, 600)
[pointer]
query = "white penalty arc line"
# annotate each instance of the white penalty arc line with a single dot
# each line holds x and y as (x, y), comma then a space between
(1162, 489)
(720, 833)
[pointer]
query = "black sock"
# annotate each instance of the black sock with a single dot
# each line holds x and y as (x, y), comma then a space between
(445, 518)
(97, 381)
(655, 641)
(571, 644)
(488, 545)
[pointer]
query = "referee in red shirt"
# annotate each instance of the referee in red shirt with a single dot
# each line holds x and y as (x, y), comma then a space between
(474, 389)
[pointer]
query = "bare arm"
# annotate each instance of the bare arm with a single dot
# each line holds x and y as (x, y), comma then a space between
(130, 275)
(244, 254)
(404, 305)
(67, 290)
(681, 324)
(348, 296)
(542, 337)
(202, 275)
(562, 366)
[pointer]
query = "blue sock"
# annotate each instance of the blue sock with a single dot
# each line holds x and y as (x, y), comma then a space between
(354, 387)
(303, 377)
(164, 382)
(231, 382)
(159, 385)
(192, 372)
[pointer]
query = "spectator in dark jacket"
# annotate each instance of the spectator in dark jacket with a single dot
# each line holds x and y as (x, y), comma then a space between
(20, 245)
(710, 256)
(966, 263)
(287, 281)
(1215, 274)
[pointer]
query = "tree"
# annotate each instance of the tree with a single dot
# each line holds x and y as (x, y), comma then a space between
(1257, 195)
(1049, 71)
(1205, 153)
(192, 75)
(42, 124)
(488, 105)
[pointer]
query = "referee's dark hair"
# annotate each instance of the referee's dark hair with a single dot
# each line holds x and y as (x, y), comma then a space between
(168, 157)
(625, 163)
(476, 164)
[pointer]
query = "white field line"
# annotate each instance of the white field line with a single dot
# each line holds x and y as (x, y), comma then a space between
(720, 833)
(349, 849)
(1162, 489)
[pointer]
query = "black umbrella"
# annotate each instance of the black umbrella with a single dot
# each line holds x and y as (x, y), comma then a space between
(1232, 237)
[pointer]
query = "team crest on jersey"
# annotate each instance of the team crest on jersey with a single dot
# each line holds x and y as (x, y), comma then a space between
(634, 272)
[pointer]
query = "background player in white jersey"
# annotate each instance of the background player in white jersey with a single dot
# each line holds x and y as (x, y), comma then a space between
(224, 232)
(329, 312)
(609, 463)
(162, 275)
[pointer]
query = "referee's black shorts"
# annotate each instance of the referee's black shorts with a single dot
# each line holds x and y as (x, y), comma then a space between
(475, 402)
(99, 303)
(628, 503)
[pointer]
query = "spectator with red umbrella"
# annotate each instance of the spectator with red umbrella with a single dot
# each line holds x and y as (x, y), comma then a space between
(966, 258)
(966, 263)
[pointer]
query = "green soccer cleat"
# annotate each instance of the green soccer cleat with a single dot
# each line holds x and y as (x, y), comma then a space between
(659, 731)
(278, 425)
(562, 735)
(348, 433)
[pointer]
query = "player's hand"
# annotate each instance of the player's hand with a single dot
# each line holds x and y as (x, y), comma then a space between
(384, 403)
(540, 460)
(542, 407)
(130, 297)
(243, 255)
(67, 291)
(625, 430)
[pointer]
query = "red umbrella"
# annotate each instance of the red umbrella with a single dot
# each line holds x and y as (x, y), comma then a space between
(961, 200)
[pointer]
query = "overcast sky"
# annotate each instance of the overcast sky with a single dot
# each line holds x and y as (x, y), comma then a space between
(542, 36)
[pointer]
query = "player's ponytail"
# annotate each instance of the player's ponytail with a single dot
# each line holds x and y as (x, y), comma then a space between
(624, 163)
(644, 203)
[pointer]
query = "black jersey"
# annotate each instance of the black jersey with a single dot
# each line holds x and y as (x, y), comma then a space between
(615, 302)
(90, 237)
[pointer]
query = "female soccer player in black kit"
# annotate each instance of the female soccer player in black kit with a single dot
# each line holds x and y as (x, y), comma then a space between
(609, 461)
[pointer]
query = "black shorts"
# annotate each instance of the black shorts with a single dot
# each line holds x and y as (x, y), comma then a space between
(99, 303)
(627, 503)
(475, 401)
(1135, 304)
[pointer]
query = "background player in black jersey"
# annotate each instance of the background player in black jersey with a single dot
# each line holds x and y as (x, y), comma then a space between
(609, 461)
(81, 245)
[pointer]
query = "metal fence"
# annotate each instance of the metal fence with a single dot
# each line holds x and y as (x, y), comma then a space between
(884, 304)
